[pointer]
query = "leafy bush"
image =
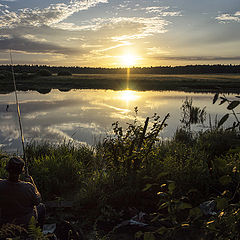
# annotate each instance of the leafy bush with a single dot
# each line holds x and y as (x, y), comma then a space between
(186, 166)
(183, 136)
(217, 142)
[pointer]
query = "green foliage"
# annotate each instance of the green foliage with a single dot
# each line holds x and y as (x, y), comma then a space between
(3, 161)
(131, 150)
(186, 164)
(232, 104)
(217, 142)
(16, 232)
(181, 207)
(59, 170)
(223, 120)
(11, 231)
(35, 232)
(183, 136)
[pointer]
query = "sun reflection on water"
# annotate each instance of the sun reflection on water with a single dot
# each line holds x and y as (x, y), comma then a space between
(128, 95)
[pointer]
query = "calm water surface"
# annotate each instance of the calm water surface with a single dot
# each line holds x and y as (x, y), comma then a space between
(86, 116)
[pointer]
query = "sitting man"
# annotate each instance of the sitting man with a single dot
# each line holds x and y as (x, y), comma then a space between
(19, 200)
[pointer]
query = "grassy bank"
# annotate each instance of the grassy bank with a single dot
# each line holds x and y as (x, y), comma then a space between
(191, 83)
(134, 171)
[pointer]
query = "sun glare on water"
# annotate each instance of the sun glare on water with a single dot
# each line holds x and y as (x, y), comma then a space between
(128, 95)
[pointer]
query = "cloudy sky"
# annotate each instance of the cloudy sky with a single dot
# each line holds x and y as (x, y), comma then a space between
(115, 33)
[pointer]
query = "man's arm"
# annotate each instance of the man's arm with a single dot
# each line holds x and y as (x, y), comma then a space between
(36, 195)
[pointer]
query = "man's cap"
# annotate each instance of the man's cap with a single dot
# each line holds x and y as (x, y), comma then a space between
(15, 165)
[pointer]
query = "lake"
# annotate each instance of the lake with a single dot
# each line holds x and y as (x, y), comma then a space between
(86, 116)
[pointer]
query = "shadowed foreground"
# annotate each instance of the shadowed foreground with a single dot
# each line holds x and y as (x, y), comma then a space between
(185, 188)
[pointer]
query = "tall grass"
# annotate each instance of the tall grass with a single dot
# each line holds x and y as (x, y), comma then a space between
(116, 170)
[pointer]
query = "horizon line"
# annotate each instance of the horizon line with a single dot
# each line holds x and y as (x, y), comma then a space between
(163, 66)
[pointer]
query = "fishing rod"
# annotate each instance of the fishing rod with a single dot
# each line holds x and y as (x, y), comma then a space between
(18, 113)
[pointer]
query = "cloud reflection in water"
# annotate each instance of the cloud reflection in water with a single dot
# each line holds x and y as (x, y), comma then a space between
(85, 116)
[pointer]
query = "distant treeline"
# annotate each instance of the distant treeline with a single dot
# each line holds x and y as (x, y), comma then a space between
(189, 69)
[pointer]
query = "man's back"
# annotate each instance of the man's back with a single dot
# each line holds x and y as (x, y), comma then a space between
(17, 201)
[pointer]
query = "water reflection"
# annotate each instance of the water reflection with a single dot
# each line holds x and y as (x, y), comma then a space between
(129, 95)
(85, 116)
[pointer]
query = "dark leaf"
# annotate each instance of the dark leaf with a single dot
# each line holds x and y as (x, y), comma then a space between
(162, 230)
(184, 205)
(138, 235)
(233, 104)
(223, 120)
(148, 186)
(171, 187)
(225, 180)
(215, 97)
(223, 101)
(149, 236)
(195, 213)
(222, 203)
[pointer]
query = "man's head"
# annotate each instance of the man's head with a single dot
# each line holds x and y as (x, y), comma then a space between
(15, 166)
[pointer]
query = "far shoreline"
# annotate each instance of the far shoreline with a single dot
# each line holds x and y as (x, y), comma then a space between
(212, 83)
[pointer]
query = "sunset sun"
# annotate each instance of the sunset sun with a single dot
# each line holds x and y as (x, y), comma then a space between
(128, 60)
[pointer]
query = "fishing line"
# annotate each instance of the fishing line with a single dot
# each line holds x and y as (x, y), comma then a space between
(18, 112)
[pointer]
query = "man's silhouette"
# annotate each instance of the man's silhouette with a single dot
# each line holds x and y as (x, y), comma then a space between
(19, 200)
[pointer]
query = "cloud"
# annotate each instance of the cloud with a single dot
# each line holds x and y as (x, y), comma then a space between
(9, 0)
(3, 6)
(227, 18)
(200, 58)
(156, 51)
(137, 27)
(29, 45)
(34, 38)
(162, 11)
(120, 28)
(53, 14)
(124, 43)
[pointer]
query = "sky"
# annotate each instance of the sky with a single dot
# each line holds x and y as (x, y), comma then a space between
(115, 33)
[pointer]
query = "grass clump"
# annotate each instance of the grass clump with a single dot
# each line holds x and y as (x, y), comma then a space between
(63, 166)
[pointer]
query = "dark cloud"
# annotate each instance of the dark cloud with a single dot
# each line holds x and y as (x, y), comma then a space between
(30, 46)
(199, 58)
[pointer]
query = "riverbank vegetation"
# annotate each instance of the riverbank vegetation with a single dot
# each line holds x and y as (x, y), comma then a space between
(188, 69)
(184, 188)
(43, 81)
